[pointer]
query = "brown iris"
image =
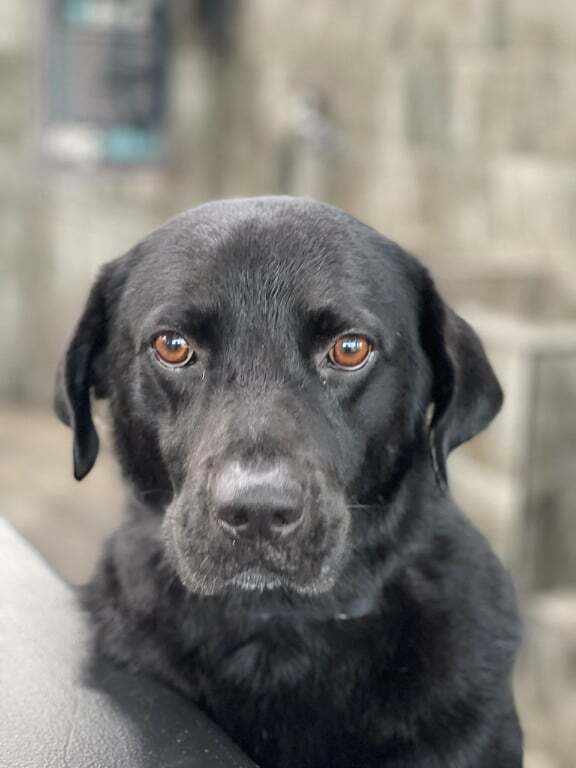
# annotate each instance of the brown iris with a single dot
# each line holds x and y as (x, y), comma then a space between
(350, 352)
(172, 348)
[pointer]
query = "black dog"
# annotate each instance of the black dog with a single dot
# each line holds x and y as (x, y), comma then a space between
(285, 385)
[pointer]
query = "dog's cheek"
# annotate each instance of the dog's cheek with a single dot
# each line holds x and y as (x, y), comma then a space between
(339, 543)
(196, 553)
(174, 442)
(324, 553)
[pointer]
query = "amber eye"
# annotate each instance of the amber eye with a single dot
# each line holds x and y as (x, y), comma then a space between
(350, 352)
(172, 349)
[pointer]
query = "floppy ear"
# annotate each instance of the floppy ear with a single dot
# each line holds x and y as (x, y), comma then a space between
(77, 375)
(466, 395)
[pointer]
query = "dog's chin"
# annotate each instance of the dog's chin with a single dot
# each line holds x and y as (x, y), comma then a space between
(255, 579)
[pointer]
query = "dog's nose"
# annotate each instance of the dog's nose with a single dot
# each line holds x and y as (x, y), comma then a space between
(257, 502)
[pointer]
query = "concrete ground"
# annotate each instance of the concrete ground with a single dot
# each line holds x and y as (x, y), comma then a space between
(67, 522)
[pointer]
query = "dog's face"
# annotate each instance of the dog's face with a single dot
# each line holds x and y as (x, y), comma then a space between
(270, 364)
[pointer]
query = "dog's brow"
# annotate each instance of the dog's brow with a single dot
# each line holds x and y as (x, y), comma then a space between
(198, 319)
(329, 320)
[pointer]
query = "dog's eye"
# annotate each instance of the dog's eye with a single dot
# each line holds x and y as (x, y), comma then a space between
(350, 352)
(173, 349)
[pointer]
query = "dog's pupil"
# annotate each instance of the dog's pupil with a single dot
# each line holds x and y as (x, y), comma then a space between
(174, 343)
(351, 346)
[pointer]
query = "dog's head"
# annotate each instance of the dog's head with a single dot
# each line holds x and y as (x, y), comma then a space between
(270, 364)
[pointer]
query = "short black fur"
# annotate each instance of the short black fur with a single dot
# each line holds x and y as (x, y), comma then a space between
(380, 630)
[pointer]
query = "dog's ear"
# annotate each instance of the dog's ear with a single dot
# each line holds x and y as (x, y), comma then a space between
(78, 374)
(466, 395)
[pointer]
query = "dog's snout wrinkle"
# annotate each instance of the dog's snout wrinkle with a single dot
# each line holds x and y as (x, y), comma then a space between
(257, 502)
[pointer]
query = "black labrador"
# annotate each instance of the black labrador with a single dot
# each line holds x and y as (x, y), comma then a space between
(285, 385)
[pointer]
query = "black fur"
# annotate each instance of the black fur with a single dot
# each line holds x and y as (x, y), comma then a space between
(383, 632)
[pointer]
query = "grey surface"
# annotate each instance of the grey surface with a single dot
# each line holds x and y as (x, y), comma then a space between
(58, 709)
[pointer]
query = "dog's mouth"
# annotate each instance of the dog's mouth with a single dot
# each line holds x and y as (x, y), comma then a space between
(266, 573)
(257, 578)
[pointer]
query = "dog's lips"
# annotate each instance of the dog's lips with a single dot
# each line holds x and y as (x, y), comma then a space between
(271, 568)
(264, 568)
(257, 577)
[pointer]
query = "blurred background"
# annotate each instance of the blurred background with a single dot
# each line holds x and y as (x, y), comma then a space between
(449, 125)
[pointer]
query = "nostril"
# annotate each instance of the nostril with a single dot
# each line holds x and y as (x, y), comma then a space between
(258, 520)
(282, 518)
(278, 519)
(239, 519)
(235, 517)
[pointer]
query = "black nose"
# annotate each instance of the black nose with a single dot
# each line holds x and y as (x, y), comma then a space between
(257, 502)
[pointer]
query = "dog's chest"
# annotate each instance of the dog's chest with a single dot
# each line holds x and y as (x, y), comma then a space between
(281, 690)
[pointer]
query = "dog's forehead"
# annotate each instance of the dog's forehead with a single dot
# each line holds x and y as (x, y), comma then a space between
(248, 251)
